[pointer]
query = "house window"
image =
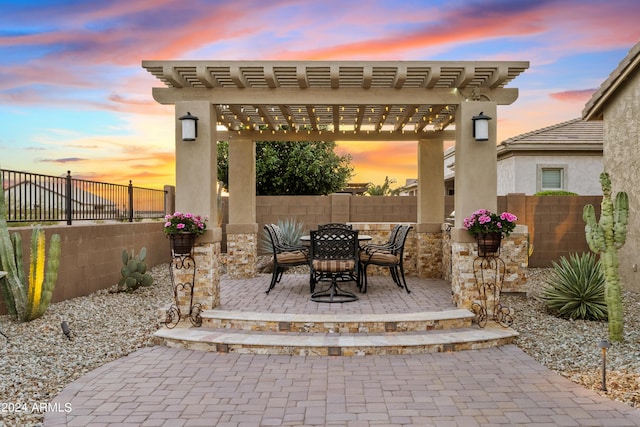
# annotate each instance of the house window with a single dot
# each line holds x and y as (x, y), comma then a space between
(551, 178)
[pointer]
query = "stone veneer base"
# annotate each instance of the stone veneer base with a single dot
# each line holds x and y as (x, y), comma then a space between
(224, 341)
(338, 335)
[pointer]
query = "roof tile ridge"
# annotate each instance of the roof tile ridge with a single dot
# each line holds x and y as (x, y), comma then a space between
(539, 131)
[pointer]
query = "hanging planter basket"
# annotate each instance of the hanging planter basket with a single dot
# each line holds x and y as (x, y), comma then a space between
(182, 243)
(488, 244)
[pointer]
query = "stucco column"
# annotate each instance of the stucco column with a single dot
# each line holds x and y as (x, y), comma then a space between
(196, 180)
(242, 228)
(475, 188)
(430, 208)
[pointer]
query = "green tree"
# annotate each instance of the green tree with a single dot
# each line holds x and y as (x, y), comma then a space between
(293, 168)
(384, 189)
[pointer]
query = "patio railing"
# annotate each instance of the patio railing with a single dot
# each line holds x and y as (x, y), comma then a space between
(31, 197)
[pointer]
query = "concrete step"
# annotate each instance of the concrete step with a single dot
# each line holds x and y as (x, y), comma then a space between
(337, 323)
(333, 344)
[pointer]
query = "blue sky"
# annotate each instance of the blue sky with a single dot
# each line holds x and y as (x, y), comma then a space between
(73, 94)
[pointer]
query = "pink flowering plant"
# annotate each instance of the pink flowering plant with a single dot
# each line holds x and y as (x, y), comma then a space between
(184, 223)
(484, 221)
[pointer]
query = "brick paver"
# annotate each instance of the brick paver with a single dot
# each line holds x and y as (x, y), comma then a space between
(291, 295)
(162, 386)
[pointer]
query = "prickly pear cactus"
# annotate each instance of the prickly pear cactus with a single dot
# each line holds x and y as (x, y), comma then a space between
(134, 271)
(605, 237)
(27, 299)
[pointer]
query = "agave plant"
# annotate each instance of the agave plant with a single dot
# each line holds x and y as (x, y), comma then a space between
(292, 230)
(575, 288)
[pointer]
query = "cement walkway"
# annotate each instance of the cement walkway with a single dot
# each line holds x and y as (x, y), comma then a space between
(161, 386)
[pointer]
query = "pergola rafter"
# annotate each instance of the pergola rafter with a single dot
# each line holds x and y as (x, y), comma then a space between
(397, 99)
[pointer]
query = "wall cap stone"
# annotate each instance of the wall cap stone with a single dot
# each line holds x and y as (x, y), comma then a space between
(242, 228)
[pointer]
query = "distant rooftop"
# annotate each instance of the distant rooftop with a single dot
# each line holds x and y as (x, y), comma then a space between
(575, 134)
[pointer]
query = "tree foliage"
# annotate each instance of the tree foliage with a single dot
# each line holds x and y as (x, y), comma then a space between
(384, 189)
(293, 168)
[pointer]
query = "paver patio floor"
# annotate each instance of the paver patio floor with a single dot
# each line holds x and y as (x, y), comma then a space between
(160, 386)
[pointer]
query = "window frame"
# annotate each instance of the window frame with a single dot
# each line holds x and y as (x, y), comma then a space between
(547, 167)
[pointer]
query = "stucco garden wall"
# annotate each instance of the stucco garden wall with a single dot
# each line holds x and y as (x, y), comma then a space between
(622, 162)
(91, 253)
(555, 222)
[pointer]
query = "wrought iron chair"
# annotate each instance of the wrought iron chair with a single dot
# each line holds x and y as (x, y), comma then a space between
(388, 256)
(335, 225)
(386, 245)
(334, 256)
(284, 255)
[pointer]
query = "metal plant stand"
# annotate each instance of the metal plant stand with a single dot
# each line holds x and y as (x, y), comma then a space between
(186, 263)
(489, 271)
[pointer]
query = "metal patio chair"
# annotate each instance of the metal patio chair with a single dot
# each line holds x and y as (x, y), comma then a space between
(334, 257)
(284, 255)
(386, 245)
(335, 225)
(388, 256)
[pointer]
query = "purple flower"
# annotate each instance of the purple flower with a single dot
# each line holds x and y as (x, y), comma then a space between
(180, 226)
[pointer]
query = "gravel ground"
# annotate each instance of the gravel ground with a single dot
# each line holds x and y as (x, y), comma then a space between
(39, 361)
(571, 349)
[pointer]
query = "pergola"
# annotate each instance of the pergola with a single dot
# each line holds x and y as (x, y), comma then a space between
(246, 101)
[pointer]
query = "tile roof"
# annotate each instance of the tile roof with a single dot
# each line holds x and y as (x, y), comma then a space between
(594, 107)
(572, 132)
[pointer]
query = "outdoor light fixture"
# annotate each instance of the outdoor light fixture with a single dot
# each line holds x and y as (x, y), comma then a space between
(604, 345)
(189, 127)
(481, 127)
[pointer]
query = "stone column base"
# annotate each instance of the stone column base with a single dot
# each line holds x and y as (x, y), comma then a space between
(242, 250)
(429, 251)
(514, 252)
(206, 292)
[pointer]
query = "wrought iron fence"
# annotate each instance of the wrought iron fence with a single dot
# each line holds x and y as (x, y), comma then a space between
(31, 197)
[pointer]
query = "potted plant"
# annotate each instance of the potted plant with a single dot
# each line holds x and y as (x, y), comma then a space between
(489, 228)
(182, 230)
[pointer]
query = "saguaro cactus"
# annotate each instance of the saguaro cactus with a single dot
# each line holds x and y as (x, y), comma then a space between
(27, 298)
(605, 238)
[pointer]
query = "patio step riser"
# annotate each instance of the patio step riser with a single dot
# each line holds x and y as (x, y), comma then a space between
(333, 351)
(336, 327)
(225, 340)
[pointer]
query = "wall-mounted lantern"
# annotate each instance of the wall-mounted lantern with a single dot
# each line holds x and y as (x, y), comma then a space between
(481, 127)
(189, 127)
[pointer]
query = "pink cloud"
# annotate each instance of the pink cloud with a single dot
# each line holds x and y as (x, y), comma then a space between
(581, 96)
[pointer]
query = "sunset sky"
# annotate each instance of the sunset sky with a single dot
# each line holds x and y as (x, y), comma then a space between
(73, 94)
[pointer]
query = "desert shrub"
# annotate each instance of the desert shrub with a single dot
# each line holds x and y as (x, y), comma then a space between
(555, 193)
(575, 288)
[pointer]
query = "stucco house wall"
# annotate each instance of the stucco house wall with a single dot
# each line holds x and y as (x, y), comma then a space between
(521, 174)
(617, 104)
(622, 162)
